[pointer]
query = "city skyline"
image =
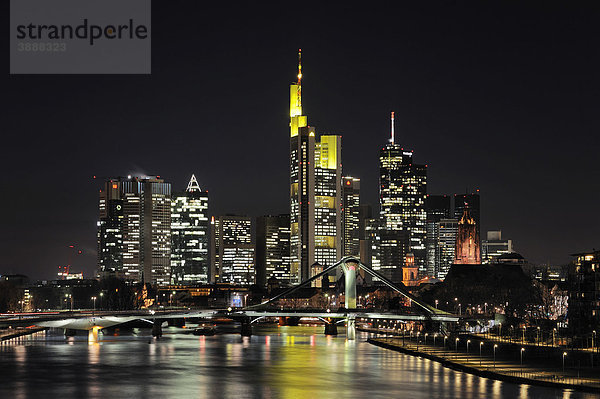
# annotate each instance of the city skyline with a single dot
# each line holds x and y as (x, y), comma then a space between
(503, 135)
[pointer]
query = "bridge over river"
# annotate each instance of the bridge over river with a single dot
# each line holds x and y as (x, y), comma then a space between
(95, 321)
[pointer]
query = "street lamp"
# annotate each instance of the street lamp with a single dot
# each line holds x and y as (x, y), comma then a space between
(563, 359)
(94, 299)
(495, 346)
(480, 345)
(426, 334)
(522, 350)
(434, 336)
(553, 337)
(459, 309)
(445, 338)
(538, 335)
(456, 347)
(436, 303)
(101, 295)
(468, 342)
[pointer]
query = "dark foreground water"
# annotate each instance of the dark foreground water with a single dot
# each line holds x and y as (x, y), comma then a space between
(277, 362)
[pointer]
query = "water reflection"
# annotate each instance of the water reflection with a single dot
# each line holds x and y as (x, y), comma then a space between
(290, 362)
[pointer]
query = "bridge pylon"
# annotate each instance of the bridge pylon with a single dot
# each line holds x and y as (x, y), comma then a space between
(350, 266)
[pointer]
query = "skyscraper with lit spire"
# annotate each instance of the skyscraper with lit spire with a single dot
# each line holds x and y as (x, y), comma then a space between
(315, 199)
(402, 189)
(189, 235)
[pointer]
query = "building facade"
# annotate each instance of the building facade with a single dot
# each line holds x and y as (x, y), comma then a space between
(328, 201)
(584, 294)
(273, 249)
(494, 246)
(351, 216)
(473, 203)
(232, 250)
(189, 235)
(446, 246)
(437, 208)
(315, 199)
(467, 241)
(402, 193)
(134, 230)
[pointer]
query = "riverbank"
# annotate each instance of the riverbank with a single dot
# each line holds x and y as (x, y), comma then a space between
(489, 368)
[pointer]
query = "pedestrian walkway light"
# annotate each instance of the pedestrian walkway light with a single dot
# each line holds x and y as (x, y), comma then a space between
(468, 342)
(480, 345)
(495, 346)
(522, 350)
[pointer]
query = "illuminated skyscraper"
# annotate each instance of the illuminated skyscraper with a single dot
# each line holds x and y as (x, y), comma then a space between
(351, 212)
(189, 235)
(402, 193)
(315, 201)
(445, 247)
(273, 249)
(393, 247)
(328, 200)
(134, 229)
(302, 209)
(232, 250)
(438, 208)
(370, 253)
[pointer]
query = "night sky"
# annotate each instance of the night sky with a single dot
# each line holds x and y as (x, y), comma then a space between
(501, 97)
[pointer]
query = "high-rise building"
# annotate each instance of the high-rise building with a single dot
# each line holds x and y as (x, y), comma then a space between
(393, 246)
(189, 235)
(494, 246)
(447, 229)
(402, 193)
(273, 249)
(328, 201)
(232, 250)
(134, 229)
(351, 216)
(437, 208)
(315, 200)
(302, 209)
(371, 254)
(467, 241)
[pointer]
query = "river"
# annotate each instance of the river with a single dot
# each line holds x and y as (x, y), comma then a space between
(276, 362)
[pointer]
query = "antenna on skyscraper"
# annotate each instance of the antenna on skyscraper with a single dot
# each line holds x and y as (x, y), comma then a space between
(193, 185)
(299, 77)
(392, 139)
(299, 65)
